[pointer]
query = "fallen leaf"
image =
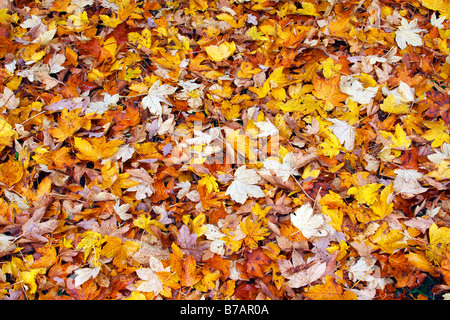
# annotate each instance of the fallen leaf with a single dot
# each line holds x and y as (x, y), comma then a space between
(244, 186)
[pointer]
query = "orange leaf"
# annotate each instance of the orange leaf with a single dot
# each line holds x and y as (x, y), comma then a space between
(11, 172)
(48, 258)
(330, 290)
(69, 122)
(328, 90)
(95, 149)
(189, 275)
(87, 291)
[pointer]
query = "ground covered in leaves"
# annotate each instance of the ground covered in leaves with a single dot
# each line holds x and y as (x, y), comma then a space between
(226, 149)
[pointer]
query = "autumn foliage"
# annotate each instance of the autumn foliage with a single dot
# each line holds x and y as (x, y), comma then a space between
(331, 119)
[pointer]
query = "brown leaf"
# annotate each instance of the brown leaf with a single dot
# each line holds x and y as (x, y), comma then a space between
(33, 229)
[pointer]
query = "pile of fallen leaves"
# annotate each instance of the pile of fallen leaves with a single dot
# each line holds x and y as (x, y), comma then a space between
(226, 149)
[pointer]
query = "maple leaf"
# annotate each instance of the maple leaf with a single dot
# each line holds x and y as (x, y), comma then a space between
(383, 206)
(403, 94)
(209, 182)
(283, 170)
(267, 129)
(7, 134)
(114, 248)
(330, 290)
(69, 123)
(95, 149)
(309, 224)
(256, 263)
(437, 133)
(344, 132)
(11, 172)
(244, 186)
(329, 90)
(366, 194)
(253, 231)
(8, 99)
(299, 272)
(48, 258)
(189, 274)
(389, 241)
(144, 183)
(439, 242)
(34, 229)
(365, 270)
(87, 291)
(122, 210)
(355, 90)
(151, 282)
(221, 52)
(213, 233)
(156, 94)
(84, 274)
(407, 34)
(406, 182)
(6, 244)
(435, 22)
(100, 107)
(440, 156)
(29, 278)
(390, 105)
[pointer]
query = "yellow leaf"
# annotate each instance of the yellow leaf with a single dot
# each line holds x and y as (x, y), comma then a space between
(221, 52)
(260, 212)
(145, 221)
(200, 5)
(7, 134)
(366, 194)
(261, 91)
(96, 149)
(29, 278)
(136, 295)
(389, 240)
(390, 105)
(209, 182)
(329, 68)
(308, 173)
(309, 9)
(110, 45)
(382, 206)
(399, 138)
(342, 247)
(4, 16)
(437, 133)
(254, 34)
(439, 243)
(79, 19)
(331, 145)
(328, 90)
(110, 22)
(443, 6)
(198, 226)
(332, 205)
(253, 231)
(120, 252)
(141, 40)
(90, 240)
